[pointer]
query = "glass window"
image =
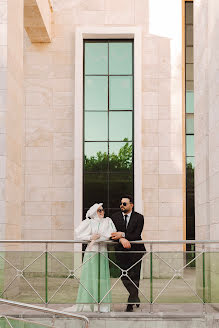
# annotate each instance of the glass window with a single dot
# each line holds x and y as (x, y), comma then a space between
(96, 126)
(120, 92)
(96, 93)
(190, 145)
(189, 55)
(120, 58)
(95, 188)
(119, 184)
(189, 102)
(190, 159)
(189, 124)
(95, 156)
(120, 156)
(96, 58)
(189, 72)
(108, 122)
(189, 35)
(120, 126)
(189, 13)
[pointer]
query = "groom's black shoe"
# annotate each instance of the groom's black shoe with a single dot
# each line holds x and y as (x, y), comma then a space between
(138, 301)
(129, 308)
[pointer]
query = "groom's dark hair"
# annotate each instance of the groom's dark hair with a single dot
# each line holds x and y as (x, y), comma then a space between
(129, 197)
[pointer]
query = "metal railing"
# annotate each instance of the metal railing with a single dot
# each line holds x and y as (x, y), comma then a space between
(160, 269)
(34, 324)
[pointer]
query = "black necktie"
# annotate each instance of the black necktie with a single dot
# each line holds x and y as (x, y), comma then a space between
(125, 216)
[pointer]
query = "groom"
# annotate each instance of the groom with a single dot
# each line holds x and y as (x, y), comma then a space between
(129, 225)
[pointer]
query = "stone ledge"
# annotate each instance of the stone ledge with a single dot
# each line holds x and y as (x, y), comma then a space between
(37, 20)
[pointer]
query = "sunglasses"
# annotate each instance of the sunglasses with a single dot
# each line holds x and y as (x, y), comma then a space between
(124, 203)
(100, 210)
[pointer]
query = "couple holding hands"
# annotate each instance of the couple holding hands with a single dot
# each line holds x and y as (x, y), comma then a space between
(124, 226)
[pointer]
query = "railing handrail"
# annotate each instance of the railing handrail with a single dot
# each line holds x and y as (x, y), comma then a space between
(46, 310)
(39, 241)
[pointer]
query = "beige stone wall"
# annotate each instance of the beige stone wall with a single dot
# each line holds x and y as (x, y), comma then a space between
(49, 107)
(11, 117)
(3, 108)
(206, 77)
(14, 186)
(206, 56)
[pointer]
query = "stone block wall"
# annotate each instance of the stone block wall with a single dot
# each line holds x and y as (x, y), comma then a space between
(49, 108)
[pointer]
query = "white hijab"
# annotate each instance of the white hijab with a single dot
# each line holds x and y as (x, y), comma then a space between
(92, 212)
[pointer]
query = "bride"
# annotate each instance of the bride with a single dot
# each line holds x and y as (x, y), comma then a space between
(95, 275)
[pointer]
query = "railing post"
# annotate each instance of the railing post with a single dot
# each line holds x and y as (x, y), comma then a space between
(151, 279)
(46, 274)
(203, 277)
(98, 277)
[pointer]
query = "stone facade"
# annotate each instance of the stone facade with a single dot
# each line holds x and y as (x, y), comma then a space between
(49, 106)
(12, 118)
(206, 120)
(47, 118)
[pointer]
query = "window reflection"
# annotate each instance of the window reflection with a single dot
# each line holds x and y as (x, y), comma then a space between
(108, 122)
(119, 184)
(120, 126)
(120, 156)
(190, 145)
(96, 156)
(120, 58)
(95, 188)
(189, 124)
(190, 159)
(96, 93)
(120, 93)
(190, 162)
(96, 126)
(96, 58)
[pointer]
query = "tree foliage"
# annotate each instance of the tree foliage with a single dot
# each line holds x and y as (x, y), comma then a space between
(117, 162)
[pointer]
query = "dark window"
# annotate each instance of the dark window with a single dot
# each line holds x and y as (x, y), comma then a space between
(190, 159)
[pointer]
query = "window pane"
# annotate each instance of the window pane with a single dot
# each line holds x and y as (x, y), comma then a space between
(96, 126)
(190, 145)
(189, 72)
(120, 156)
(119, 184)
(95, 189)
(96, 58)
(189, 102)
(190, 85)
(120, 92)
(120, 126)
(96, 93)
(190, 160)
(95, 156)
(189, 55)
(189, 35)
(189, 13)
(120, 58)
(189, 124)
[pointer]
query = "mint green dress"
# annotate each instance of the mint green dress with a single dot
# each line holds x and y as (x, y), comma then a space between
(95, 275)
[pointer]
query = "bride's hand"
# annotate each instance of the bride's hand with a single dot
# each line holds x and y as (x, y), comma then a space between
(95, 236)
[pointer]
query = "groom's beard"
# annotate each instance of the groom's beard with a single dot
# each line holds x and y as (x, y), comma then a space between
(124, 210)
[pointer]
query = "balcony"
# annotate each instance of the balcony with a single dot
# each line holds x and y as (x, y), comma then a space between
(174, 283)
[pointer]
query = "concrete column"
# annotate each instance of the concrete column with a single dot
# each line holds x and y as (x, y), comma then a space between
(206, 77)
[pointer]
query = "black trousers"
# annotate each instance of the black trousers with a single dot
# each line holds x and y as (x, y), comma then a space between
(126, 261)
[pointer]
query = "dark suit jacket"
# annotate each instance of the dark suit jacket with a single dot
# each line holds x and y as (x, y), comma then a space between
(133, 231)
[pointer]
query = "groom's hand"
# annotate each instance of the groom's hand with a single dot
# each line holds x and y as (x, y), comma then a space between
(116, 235)
(125, 243)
